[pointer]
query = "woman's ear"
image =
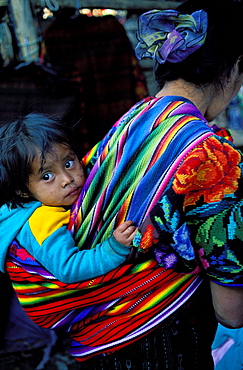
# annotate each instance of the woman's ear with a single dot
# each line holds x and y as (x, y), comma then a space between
(240, 64)
(235, 77)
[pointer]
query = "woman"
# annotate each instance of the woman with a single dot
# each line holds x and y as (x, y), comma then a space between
(165, 168)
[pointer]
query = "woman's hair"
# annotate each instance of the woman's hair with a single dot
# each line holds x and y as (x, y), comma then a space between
(20, 141)
(213, 62)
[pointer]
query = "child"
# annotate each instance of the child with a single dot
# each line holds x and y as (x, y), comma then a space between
(40, 178)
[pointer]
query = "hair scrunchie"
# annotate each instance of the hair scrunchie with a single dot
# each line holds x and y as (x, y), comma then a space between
(170, 36)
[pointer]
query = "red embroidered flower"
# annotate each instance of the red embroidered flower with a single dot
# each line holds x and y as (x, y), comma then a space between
(147, 239)
(210, 170)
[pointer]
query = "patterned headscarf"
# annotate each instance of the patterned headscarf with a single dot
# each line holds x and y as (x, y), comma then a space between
(170, 36)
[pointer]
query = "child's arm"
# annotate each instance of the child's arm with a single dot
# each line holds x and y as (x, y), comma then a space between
(47, 239)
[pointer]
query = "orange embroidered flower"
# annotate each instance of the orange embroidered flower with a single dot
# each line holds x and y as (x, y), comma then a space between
(210, 170)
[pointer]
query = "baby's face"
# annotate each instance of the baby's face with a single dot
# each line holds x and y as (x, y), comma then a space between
(59, 180)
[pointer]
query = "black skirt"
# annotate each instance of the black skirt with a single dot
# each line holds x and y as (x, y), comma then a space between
(182, 342)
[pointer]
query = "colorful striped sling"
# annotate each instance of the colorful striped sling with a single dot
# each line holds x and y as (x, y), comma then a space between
(128, 172)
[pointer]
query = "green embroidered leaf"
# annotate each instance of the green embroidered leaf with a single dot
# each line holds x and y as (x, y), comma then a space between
(212, 232)
(159, 222)
(239, 222)
(230, 256)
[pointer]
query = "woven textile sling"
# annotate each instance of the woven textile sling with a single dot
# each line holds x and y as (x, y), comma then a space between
(128, 172)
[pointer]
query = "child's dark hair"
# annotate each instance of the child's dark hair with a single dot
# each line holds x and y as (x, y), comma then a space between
(213, 62)
(20, 141)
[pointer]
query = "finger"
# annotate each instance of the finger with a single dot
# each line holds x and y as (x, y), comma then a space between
(132, 235)
(129, 231)
(124, 225)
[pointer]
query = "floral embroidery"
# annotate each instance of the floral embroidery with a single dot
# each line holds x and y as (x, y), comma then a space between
(212, 173)
(217, 260)
(204, 262)
(165, 259)
(170, 260)
(147, 238)
(208, 235)
(183, 243)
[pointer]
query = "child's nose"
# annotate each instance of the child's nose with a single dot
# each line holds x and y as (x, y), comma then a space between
(66, 179)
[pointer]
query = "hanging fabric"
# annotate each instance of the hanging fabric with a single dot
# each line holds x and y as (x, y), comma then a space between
(25, 31)
(6, 44)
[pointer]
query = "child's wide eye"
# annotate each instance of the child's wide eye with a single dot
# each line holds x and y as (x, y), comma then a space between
(47, 176)
(69, 164)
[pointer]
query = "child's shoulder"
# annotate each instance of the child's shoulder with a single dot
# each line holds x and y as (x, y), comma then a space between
(46, 220)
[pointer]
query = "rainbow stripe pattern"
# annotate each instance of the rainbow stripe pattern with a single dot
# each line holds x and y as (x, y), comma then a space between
(128, 172)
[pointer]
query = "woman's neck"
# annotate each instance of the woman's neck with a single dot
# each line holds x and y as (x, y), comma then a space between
(198, 96)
